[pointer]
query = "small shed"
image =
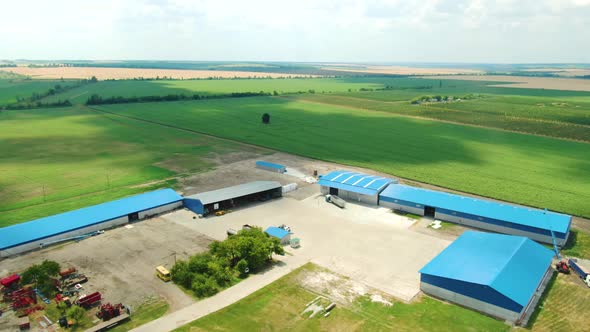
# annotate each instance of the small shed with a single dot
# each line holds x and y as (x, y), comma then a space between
(267, 166)
(283, 235)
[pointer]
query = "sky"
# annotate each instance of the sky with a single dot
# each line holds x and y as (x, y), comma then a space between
(437, 31)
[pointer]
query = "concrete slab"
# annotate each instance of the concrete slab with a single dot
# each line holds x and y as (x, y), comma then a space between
(369, 244)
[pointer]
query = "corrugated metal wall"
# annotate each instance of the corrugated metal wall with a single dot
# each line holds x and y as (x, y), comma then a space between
(478, 292)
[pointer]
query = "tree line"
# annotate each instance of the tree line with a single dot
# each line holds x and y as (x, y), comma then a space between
(98, 100)
(38, 104)
(34, 101)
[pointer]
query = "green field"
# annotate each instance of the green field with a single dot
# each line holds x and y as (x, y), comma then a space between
(565, 306)
(131, 88)
(532, 115)
(61, 159)
(562, 114)
(10, 90)
(278, 307)
(531, 170)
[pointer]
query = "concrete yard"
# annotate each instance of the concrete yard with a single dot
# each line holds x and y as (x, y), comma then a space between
(369, 244)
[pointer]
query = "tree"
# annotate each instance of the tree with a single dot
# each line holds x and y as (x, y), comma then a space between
(203, 286)
(76, 313)
(181, 274)
(199, 263)
(266, 118)
(94, 99)
(93, 79)
(50, 268)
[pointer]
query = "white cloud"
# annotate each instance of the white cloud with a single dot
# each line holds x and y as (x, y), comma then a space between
(300, 30)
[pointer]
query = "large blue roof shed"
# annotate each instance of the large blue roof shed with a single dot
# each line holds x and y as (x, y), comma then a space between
(33, 234)
(480, 213)
(354, 186)
(500, 275)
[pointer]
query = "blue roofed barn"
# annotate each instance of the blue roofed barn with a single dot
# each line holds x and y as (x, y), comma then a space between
(500, 275)
(41, 232)
(283, 235)
(479, 213)
(354, 187)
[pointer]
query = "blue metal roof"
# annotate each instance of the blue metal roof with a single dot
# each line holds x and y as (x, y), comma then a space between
(61, 223)
(355, 182)
(276, 232)
(270, 165)
(488, 209)
(512, 265)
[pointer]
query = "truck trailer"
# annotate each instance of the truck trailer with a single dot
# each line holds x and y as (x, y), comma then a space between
(580, 270)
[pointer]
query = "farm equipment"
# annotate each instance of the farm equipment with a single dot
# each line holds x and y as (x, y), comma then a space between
(67, 272)
(72, 280)
(61, 298)
(111, 316)
(23, 298)
(562, 267)
(108, 311)
(87, 301)
(580, 270)
(339, 202)
(10, 281)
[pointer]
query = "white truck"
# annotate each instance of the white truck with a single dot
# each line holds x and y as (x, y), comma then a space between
(339, 202)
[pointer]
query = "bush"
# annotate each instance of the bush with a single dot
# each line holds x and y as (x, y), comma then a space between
(204, 287)
(75, 313)
(181, 274)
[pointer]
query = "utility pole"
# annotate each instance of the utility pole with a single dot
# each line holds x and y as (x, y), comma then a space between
(44, 195)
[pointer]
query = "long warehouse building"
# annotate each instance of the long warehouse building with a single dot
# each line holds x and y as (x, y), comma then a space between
(503, 276)
(38, 233)
(352, 186)
(479, 213)
(230, 197)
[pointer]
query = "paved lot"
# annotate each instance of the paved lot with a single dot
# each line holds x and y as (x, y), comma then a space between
(369, 244)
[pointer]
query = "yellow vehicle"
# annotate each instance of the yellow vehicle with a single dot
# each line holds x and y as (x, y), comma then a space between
(163, 273)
